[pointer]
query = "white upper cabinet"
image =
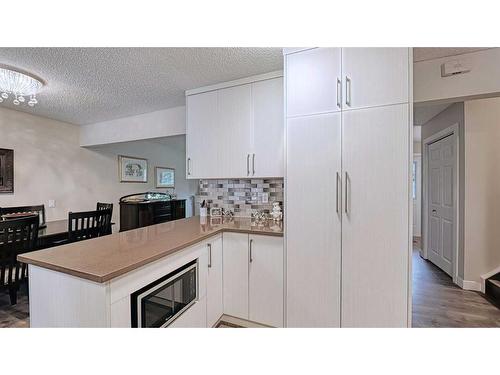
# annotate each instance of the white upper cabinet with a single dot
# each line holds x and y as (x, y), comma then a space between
(236, 130)
(235, 117)
(374, 77)
(268, 129)
(202, 151)
(314, 81)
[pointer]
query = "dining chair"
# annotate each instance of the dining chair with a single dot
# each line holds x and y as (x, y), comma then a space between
(88, 224)
(40, 210)
(17, 236)
(105, 206)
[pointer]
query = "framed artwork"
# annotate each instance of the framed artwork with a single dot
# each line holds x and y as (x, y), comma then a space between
(133, 169)
(165, 177)
(6, 171)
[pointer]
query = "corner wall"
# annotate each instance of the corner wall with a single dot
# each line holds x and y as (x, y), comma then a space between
(482, 187)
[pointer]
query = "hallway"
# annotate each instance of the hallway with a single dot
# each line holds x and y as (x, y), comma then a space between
(437, 302)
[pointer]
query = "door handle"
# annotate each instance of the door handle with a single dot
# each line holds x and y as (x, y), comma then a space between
(253, 164)
(339, 93)
(347, 91)
(250, 258)
(248, 164)
(189, 166)
(337, 192)
(346, 202)
(209, 245)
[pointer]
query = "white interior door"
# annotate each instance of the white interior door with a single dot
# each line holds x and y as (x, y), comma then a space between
(417, 195)
(313, 81)
(313, 220)
(442, 203)
(375, 225)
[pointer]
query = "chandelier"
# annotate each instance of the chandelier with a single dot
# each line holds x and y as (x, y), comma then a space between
(21, 87)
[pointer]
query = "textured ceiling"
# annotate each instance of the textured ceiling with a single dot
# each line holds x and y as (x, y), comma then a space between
(422, 54)
(88, 85)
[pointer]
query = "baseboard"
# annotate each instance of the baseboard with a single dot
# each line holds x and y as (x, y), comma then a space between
(241, 322)
(469, 285)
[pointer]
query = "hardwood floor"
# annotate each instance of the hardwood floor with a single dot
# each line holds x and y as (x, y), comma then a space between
(16, 316)
(437, 302)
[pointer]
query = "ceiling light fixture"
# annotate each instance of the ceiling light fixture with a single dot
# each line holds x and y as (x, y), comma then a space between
(21, 86)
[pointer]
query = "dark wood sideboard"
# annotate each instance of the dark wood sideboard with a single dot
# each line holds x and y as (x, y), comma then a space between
(141, 210)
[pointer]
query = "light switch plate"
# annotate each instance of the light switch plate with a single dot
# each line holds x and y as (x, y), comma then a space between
(52, 203)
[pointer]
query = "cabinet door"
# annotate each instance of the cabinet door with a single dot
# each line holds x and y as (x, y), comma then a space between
(202, 136)
(313, 81)
(268, 128)
(235, 117)
(374, 76)
(235, 266)
(266, 280)
(313, 225)
(214, 282)
(375, 238)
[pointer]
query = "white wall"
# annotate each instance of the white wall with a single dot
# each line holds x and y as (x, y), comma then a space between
(482, 80)
(164, 123)
(482, 187)
(50, 164)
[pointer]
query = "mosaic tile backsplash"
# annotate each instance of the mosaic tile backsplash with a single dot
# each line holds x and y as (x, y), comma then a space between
(242, 196)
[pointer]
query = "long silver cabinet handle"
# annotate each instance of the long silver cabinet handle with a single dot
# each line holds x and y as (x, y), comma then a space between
(250, 259)
(337, 193)
(346, 202)
(248, 164)
(253, 164)
(209, 255)
(189, 166)
(339, 93)
(348, 91)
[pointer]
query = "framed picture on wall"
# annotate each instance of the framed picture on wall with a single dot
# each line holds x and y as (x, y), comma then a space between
(6, 171)
(165, 177)
(132, 169)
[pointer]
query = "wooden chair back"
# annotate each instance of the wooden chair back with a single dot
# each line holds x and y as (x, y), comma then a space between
(17, 236)
(106, 206)
(88, 224)
(40, 210)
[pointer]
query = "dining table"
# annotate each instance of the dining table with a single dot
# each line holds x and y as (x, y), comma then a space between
(53, 233)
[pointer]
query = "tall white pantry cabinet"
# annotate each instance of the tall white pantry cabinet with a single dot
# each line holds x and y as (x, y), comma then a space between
(347, 184)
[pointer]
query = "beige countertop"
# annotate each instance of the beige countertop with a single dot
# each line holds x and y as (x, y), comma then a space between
(102, 259)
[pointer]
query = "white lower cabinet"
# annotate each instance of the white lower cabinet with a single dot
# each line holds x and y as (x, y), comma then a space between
(214, 281)
(235, 266)
(265, 291)
(253, 278)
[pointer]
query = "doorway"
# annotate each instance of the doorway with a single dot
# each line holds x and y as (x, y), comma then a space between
(417, 195)
(440, 206)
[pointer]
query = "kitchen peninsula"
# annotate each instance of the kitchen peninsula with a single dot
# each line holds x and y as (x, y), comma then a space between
(140, 277)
